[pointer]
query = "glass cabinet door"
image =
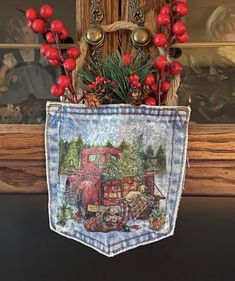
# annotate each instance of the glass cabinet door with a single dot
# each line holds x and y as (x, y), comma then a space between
(25, 76)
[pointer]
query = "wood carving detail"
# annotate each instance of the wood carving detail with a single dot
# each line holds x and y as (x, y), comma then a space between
(137, 15)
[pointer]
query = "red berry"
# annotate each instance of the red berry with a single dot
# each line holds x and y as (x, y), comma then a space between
(179, 28)
(44, 48)
(73, 53)
(64, 33)
(69, 64)
(183, 38)
(52, 54)
(165, 86)
(154, 87)
(46, 11)
(31, 14)
(163, 19)
(127, 59)
(56, 90)
(161, 62)
(150, 79)
(50, 37)
(136, 77)
(181, 9)
(54, 62)
(160, 40)
(165, 10)
(56, 26)
(99, 79)
(39, 26)
(150, 101)
(64, 81)
(92, 86)
(175, 68)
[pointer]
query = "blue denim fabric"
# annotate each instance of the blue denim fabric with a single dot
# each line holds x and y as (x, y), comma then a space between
(166, 126)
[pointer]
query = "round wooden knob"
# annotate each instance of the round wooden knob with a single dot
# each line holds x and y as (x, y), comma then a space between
(94, 34)
(141, 37)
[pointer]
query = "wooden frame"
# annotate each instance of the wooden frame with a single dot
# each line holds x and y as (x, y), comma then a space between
(211, 147)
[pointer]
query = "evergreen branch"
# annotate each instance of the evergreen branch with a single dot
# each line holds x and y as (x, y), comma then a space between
(112, 68)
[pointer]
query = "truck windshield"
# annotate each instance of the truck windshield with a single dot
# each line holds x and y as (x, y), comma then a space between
(96, 158)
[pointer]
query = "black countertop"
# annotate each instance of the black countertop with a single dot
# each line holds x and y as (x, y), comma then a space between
(202, 249)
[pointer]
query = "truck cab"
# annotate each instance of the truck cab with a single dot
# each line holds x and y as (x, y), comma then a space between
(88, 176)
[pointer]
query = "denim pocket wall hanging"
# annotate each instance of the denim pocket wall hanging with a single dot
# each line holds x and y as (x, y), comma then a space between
(115, 174)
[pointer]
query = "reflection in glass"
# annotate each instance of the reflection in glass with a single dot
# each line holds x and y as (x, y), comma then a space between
(25, 81)
(64, 10)
(214, 22)
(209, 81)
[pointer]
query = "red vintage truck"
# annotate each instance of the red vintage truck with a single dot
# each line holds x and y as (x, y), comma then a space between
(88, 190)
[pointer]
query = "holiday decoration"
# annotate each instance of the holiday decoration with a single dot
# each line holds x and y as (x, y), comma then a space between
(38, 26)
(69, 64)
(181, 9)
(115, 162)
(179, 28)
(175, 68)
(126, 76)
(150, 101)
(46, 11)
(57, 90)
(31, 14)
(160, 40)
(163, 19)
(127, 59)
(73, 53)
(115, 173)
(183, 38)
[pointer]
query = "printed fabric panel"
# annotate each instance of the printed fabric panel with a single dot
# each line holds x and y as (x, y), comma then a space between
(115, 174)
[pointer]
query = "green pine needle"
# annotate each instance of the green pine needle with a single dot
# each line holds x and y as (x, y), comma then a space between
(113, 69)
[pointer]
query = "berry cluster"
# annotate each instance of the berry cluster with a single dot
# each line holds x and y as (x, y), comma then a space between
(134, 81)
(173, 31)
(170, 18)
(127, 59)
(54, 32)
(98, 80)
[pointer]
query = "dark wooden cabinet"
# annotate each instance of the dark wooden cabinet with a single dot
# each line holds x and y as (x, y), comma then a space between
(211, 146)
(211, 158)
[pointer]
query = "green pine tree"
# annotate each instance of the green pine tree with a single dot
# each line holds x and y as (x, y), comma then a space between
(71, 161)
(109, 144)
(161, 159)
(123, 146)
(150, 162)
(129, 164)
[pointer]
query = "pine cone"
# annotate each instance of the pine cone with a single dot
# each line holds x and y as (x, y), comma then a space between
(136, 97)
(103, 89)
(91, 100)
(146, 90)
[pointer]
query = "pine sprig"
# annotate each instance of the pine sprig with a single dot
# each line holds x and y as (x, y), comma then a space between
(113, 69)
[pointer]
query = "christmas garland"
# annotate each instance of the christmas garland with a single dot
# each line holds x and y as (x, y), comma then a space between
(117, 78)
